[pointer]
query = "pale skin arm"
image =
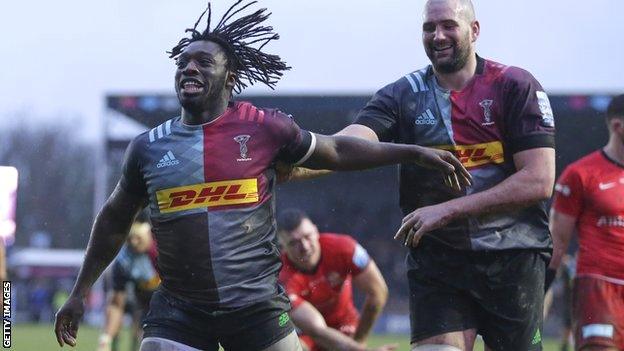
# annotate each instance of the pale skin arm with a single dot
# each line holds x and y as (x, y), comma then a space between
(532, 182)
(109, 232)
(114, 313)
(307, 318)
(371, 282)
(562, 228)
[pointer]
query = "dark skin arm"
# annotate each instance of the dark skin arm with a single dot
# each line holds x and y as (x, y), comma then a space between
(108, 234)
(430, 158)
(346, 153)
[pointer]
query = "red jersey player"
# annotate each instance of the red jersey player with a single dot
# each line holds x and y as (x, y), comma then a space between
(318, 272)
(590, 198)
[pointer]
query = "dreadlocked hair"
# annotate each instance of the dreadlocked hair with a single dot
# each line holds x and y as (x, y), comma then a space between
(236, 38)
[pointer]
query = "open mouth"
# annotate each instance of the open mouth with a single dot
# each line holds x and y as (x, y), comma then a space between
(191, 86)
(441, 49)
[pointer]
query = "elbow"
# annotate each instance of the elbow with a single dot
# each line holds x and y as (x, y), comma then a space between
(542, 188)
(379, 298)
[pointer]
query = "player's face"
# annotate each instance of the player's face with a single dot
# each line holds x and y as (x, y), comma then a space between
(140, 239)
(201, 75)
(302, 245)
(447, 36)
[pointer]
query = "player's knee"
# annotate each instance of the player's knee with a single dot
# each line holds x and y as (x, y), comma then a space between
(431, 347)
(160, 344)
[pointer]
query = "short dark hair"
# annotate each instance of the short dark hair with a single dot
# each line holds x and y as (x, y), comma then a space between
(290, 219)
(616, 108)
(239, 39)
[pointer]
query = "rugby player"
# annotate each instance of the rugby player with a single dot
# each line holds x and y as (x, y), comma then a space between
(318, 272)
(477, 256)
(208, 178)
(589, 198)
(135, 265)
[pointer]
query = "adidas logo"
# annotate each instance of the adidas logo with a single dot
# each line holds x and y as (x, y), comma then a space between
(426, 118)
(167, 160)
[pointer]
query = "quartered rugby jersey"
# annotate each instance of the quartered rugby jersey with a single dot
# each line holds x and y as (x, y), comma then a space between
(210, 190)
(502, 111)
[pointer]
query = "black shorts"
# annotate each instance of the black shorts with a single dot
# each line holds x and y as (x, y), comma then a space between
(499, 293)
(249, 328)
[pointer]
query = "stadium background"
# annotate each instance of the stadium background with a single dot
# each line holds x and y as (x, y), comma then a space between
(67, 151)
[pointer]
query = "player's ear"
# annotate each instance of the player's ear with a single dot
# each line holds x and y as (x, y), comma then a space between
(476, 29)
(230, 81)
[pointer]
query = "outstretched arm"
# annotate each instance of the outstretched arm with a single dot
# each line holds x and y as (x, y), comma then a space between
(345, 153)
(371, 282)
(107, 236)
(311, 322)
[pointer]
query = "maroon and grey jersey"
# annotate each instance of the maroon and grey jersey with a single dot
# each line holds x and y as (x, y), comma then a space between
(502, 111)
(210, 190)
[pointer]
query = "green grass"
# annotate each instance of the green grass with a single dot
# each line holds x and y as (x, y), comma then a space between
(40, 337)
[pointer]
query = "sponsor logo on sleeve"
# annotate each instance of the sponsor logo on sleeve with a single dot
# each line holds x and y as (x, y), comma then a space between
(563, 189)
(223, 193)
(548, 120)
(477, 154)
(597, 330)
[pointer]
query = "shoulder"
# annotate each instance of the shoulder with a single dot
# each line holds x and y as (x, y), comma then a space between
(413, 82)
(337, 243)
(585, 165)
(511, 76)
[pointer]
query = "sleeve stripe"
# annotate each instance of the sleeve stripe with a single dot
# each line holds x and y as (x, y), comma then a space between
(152, 136)
(421, 83)
(168, 127)
(310, 150)
(412, 83)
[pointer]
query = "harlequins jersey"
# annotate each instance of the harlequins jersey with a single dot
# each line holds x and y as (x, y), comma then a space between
(211, 197)
(502, 111)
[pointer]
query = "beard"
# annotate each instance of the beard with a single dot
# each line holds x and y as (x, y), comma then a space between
(458, 59)
(199, 103)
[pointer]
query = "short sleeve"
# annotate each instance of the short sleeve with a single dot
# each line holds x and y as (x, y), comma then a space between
(296, 144)
(568, 197)
(359, 260)
(381, 114)
(131, 176)
(119, 277)
(529, 120)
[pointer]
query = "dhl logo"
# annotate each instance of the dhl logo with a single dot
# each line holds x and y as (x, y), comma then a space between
(223, 193)
(478, 154)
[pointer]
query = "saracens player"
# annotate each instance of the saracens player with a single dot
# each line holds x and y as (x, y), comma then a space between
(589, 198)
(318, 273)
(208, 178)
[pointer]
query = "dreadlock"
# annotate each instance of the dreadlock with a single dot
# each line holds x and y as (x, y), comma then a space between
(237, 37)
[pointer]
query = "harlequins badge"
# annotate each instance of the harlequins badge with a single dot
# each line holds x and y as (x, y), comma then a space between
(242, 143)
(487, 112)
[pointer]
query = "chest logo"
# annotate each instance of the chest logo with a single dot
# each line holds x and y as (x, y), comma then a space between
(242, 144)
(167, 160)
(487, 112)
(606, 186)
(426, 118)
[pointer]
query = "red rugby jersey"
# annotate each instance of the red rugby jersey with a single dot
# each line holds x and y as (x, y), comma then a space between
(328, 288)
(592, 190)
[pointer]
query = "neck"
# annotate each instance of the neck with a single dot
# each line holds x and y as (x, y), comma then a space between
(458, 80)
(305, 266)
(208, 114)
(615, 149)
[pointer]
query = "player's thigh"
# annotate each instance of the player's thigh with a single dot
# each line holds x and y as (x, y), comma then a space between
(454, 341)
(161, 344)
(440, 307)
(511, 300)
(289, 343)
(598, 314)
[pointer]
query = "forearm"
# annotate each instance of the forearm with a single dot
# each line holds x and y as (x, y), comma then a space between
(114, 317)
(518, 191)
(370, 312)
(351, 153)
(107, 237)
